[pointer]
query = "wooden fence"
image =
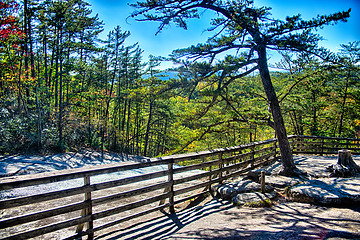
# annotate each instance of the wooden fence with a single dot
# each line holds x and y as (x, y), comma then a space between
(323, 145)
(80, 202)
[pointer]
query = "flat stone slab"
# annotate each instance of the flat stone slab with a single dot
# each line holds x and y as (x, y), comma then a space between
(229, 190)
(318, 189)
(314, 166)
(281, 181)
(253, 198)
(256, 173)
(327, 191)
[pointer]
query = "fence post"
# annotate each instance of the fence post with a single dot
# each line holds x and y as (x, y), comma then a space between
(87, 211)
(262, 181)
(210, 177)
(322, 147)
(171, 189)
(221, 163)
(301, 145)
(293, 143)
(252, 155)
(275, 149)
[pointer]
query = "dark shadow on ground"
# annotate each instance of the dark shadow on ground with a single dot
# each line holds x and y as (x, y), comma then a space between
(290, 221)
(168, 224)
(288, 234)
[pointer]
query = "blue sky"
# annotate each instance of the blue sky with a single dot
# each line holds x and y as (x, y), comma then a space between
(115, 12)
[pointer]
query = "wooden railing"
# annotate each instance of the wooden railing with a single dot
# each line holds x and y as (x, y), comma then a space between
(323, 145)
(104, 197)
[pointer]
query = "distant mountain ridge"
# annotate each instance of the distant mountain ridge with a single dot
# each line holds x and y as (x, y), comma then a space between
(165, 75)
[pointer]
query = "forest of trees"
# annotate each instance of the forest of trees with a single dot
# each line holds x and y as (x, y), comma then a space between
(63, 88)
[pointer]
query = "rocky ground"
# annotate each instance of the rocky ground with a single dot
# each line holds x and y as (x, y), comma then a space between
(222, 220)
(317, 207)
(316, 188)
(31, 164)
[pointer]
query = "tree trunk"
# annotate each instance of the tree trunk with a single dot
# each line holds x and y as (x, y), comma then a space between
(137, 129)
(314, 127)
(60, 126)
(57, 68)
(345, 167)
(288, 165)
(148, 128)
(128, 126)
(343, 104)
(45, 59)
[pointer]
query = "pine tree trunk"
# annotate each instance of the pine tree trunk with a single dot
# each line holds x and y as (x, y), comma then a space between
(314, 118)
(57, 68)
(288, 165)
(343, 103)
(128, 126)
(148, 128)
(61, 97)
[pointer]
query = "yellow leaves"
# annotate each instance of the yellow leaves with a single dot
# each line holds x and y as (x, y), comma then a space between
(28, 81)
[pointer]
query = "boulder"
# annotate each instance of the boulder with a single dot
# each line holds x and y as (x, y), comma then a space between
(256, 199)
(330, 191)
(255, 174)
(278, 181)
(229, 190)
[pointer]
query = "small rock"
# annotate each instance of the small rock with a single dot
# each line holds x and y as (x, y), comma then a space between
(253, 198)
(281, 181)
(229, 190)
(255, 174)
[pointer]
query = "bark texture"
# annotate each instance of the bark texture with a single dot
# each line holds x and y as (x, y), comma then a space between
(288, 165)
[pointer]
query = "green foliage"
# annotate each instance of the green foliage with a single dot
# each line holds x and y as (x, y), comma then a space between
(322, 100)
(62, 88)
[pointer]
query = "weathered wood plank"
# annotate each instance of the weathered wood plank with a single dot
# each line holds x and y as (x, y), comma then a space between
(245, 163)
(197, 186)
(87, 211)
(49, 228)
(244, 170)
(9, 222)
(129, 180)
(195, 177)
(196, 166)
(16, 202)
(171, 187)
(136, 215)
(122, 195)
(62, 175)
(196, 155)
(191, 197)
(130, 206)
(236, 157)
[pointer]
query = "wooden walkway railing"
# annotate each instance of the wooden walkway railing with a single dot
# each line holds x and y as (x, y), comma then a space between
(323, 145)
(82, 202)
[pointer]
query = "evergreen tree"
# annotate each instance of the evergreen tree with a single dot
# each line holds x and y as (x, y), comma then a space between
(249, 30)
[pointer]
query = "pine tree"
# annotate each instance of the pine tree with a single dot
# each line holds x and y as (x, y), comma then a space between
(243, 28)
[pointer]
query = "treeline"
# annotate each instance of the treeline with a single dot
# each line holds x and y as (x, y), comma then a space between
(62, 88)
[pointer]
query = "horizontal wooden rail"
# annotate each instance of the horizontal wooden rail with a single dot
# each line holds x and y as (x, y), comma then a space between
(69, 174)
(104, 204)
(323, 145)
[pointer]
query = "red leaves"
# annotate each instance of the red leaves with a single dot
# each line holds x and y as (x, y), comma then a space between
(8, 22)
